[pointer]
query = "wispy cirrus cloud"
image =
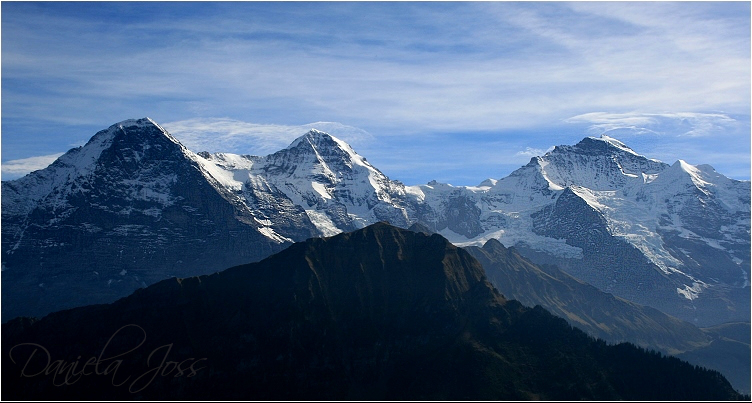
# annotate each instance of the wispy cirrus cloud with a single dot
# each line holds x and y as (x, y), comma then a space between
(414, 66)
(681, 123)
(235, 136)
(403, 71)
(531, 152)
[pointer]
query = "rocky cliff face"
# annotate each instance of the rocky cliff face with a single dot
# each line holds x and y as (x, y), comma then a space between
(128, 209)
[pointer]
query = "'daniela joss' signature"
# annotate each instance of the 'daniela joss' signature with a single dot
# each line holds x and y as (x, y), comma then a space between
(69, 372)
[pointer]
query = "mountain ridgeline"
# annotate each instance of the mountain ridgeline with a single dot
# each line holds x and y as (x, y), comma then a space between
(380, 313)
(598, 313)
(725, 348)
(133, 206)
(129, 208)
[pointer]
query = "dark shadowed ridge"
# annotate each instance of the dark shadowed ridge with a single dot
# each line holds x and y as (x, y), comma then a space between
(612, 318)
(598, 313)
(376, 314)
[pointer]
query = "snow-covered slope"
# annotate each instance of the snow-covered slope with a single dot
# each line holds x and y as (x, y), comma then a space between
(675, 237)
(338, 189)
(671, 236)
(129, 208)
(663, 235)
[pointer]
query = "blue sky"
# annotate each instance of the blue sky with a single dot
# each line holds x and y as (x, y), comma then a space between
(456, 92)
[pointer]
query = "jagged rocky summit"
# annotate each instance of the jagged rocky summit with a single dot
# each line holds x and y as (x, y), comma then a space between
(134, 206)
(129, 208)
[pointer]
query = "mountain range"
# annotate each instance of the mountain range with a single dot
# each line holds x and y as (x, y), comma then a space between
(380, 313)
(133, 206)
(607, 239)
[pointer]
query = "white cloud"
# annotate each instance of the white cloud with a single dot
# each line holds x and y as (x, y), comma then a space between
(17, 168)
(690, 124)
(404, 71)
(235, 136)
(531, 152)
(469, 66)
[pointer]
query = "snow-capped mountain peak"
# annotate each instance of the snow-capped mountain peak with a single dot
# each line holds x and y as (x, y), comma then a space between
(335, 186)
(145, 129)
(616, 143)
(129, 141)
(314, 138)
(626, 223)
(490, 182)
(327, 148)
(679, 178)
(323, 171)
(597, 163)
(694, 173)
(138, 123)
(83, 158)
(601, 145)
